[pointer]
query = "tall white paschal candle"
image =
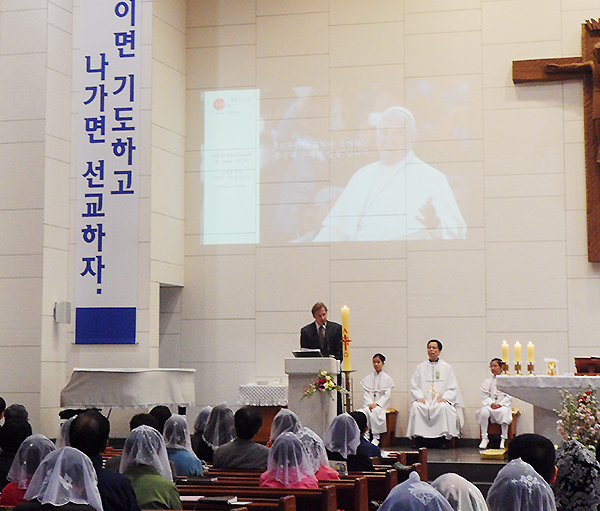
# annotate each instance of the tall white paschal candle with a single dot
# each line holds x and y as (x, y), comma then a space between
(346, 365)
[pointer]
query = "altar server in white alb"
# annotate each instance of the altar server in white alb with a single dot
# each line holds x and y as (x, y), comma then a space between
(497, 406)
(376, 397)
(436, 409)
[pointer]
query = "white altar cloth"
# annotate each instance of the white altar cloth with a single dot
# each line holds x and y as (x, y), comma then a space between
(129, 388)
(262, 395)
(543, 392)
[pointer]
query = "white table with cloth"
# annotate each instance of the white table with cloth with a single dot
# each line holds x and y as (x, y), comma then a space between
(543, 392)
(269, 399)
(129, 388)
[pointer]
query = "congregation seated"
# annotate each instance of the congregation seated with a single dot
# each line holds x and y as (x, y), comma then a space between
(288, 465)
(373, 451)
(219, 430)
(89, 432)
(243, 453)
(199, 446)
(519, 486)
(139, 419)
(16, 412)
(146, 465)
(414, 494)
(65, 480)
(577, 484)
(12, 435)
(436, 409)
(179, 447)
(161, 413)
(462, 495)
(29, 455)
(342, 441)
(285, 420)
(538, 451)
(317, 455)
(63, 439)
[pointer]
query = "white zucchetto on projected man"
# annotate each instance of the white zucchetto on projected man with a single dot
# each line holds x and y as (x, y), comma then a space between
(398, 197)
(436, 409)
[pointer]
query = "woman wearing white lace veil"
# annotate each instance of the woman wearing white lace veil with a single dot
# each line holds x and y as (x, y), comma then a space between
(342, 440)
(219, 429)
(317, 455)
(577, 485)
(179, 446)
(285, 420)
(519, 486)
(460, 493)
(65, 479)
(63, 437)
(29, 456)
(415, 495)
(288, 465)
(146, 464)
(200, 447)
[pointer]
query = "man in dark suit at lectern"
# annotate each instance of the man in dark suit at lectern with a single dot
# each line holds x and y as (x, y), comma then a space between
(322, 334)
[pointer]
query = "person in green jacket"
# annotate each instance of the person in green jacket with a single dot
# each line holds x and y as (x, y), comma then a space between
(146, 464)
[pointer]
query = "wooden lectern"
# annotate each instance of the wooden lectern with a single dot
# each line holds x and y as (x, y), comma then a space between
(315, 412)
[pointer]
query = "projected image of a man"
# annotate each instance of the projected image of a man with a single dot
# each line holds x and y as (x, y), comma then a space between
(397, 197)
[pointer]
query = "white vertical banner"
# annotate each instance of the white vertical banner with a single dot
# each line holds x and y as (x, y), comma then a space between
(231, 167)
(108, 148)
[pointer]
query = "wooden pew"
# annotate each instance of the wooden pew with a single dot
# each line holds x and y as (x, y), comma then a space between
(286, 503)
(352, 493)
(379, 483)
(416, 459)
(323, 499)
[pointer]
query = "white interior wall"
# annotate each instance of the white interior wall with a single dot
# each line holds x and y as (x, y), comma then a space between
(522, 272)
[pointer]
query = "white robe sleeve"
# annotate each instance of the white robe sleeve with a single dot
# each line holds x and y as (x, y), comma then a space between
(486, 395)
(416, 391)
(452, 392)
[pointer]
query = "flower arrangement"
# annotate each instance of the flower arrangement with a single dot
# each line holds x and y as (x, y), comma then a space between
(579, 418)
(323, 382)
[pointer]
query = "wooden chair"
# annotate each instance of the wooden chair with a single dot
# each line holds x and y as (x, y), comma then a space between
(495, 429)
(388, 438)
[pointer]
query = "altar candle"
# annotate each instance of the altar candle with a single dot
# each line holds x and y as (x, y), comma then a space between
(530, 348)
(504, 351)
(346, 365)
(517, 351)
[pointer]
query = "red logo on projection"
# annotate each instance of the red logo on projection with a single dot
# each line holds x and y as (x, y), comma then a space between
(219, 104)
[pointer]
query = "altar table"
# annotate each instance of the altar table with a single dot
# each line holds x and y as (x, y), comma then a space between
(268, 399)
(543, 392)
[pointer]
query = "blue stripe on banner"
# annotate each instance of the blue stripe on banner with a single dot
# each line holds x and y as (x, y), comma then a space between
(105, 325)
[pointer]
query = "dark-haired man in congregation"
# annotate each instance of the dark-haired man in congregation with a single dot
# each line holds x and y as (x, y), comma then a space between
(243, 453)
(436, 409)
(538, 451)
(89, 433)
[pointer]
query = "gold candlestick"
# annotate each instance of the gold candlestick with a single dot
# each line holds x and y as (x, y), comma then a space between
(505, 368)
(530, 369)
(518, 368)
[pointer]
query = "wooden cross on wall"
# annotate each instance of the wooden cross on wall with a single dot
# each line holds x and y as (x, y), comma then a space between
(586, 68)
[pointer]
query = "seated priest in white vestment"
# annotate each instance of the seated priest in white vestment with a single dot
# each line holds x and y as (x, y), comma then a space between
(396, 198)
(376, 398)
(436, 409)
(497, 406)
